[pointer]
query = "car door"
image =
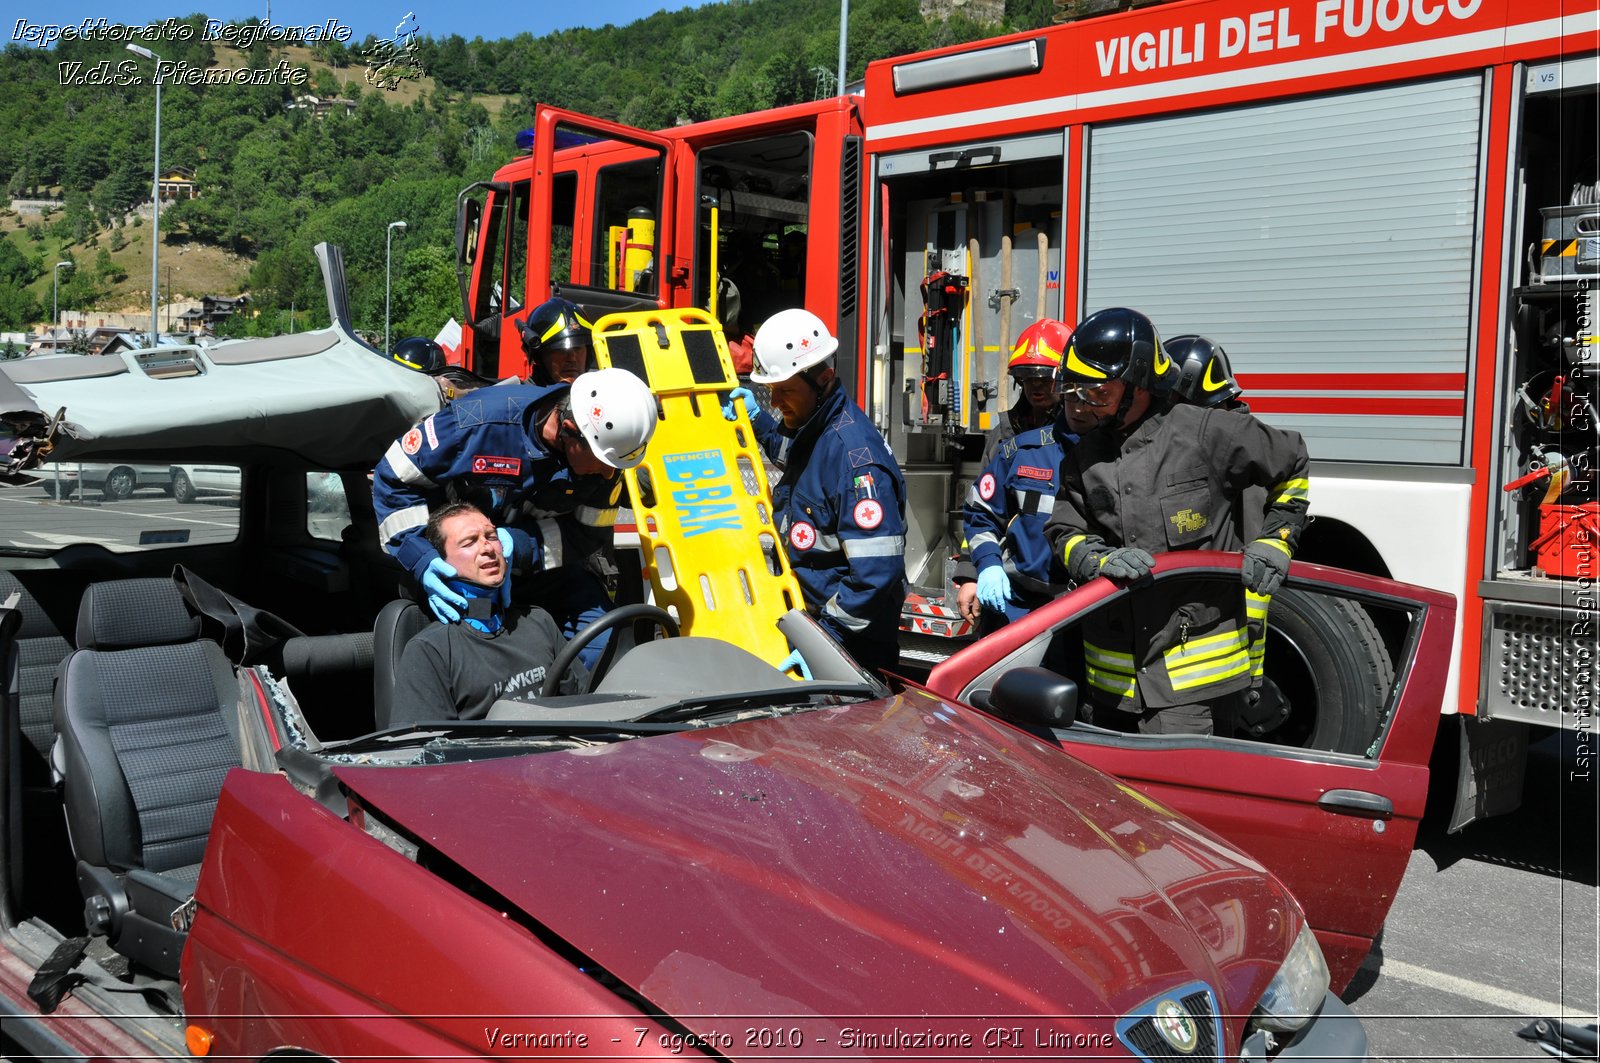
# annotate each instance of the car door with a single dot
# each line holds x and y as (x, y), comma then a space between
(1329, 800)
(597, 210)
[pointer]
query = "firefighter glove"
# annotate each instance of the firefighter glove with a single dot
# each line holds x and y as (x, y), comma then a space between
(744, 395)
(447, 604)
(1266, 563)
(1126, 563)
(994, 588)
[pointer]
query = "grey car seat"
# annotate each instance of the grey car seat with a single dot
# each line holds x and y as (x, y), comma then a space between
(147, 718)
(396, 624)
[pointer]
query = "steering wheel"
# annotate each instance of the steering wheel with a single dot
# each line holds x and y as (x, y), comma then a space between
(623, 642)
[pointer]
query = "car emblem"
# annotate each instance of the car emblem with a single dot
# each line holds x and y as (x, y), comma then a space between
(1176, 1026)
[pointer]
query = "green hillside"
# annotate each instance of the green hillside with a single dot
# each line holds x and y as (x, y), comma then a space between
(274, 181)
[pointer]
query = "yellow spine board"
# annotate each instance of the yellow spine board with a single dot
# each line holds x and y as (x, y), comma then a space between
(700, 497)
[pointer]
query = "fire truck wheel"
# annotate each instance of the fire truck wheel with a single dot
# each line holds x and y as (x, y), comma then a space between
(1325, 654)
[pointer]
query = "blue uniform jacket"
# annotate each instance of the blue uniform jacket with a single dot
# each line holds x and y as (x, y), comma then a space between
(482, 448)
(840, 507)
(1009, 503)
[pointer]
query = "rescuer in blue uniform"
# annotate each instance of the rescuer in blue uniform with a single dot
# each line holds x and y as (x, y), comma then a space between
(1005, 573)
(840, 504)
(542, 462)
(1005, 514)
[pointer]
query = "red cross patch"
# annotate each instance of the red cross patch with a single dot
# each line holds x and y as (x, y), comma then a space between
(411, 442)
(802, 536)
(869, 513)
(986, 486)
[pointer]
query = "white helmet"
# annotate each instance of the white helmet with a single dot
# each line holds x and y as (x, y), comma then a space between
(616, 413)
(791, 342)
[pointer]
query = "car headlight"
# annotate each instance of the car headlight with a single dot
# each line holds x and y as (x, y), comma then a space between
(1295, 993)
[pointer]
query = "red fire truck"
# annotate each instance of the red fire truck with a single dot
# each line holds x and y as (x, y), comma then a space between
(1384, 209)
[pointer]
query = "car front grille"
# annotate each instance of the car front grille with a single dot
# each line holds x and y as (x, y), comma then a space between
(1140, 1031)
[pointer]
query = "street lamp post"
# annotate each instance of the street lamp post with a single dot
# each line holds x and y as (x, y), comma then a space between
(55, 301)
(155, 197)
(388, 244)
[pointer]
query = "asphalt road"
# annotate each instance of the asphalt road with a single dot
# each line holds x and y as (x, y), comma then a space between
(31, 519)
(1495, 926)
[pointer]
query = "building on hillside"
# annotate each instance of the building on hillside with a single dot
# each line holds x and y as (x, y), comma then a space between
(177, 183)
(321, 106)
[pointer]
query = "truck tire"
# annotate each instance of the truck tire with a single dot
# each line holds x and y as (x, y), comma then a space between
(1329, 660)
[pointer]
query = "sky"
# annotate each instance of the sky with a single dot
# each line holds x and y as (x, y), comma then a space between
(434, 18)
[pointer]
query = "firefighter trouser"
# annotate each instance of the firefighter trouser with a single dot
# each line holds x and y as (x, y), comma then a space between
(1216, 716)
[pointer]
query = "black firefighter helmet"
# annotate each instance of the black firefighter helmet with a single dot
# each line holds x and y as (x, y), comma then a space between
(419, 353)
(1204, 376)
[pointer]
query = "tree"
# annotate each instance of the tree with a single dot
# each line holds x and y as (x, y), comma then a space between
(108, 270)
(18, 307)
(425, 293)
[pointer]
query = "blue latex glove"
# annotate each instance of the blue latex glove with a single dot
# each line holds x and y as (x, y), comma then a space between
(994, 588)
(794, 660)
(744, 395)
(507, 549)
(447, 604)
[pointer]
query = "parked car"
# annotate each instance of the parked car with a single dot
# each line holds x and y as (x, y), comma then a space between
(115, 480)
(698, 856)
(188, 482)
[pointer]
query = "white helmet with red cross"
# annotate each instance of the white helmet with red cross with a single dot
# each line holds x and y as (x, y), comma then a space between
(791, 342)
(616, 412)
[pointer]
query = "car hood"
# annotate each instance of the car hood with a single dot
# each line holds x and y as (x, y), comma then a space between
(904, 856)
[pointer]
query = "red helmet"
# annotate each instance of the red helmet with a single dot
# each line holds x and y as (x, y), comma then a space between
(1039, 349)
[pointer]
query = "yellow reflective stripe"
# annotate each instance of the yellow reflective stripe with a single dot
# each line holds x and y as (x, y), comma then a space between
(1207, 660)
(1205, 648)
(1112, 683)
(1234, 664)
(1293, 490)
(1122, 662)
(1255, 605)
(1109, 670)
(1066, 551)
(1280, 545)
(1255, 611)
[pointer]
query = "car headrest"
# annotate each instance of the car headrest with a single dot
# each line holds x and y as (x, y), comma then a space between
(134, 612)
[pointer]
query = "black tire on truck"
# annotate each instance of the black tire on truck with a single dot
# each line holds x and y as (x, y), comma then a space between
(1328, 659)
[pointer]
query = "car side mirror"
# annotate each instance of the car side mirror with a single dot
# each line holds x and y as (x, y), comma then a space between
(1034, 697)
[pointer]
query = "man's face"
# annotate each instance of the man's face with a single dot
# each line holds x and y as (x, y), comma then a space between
(1040, 391)
(566, 366)
(472, 548)
(1088, 404)
(796, 398)
(580, 457)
